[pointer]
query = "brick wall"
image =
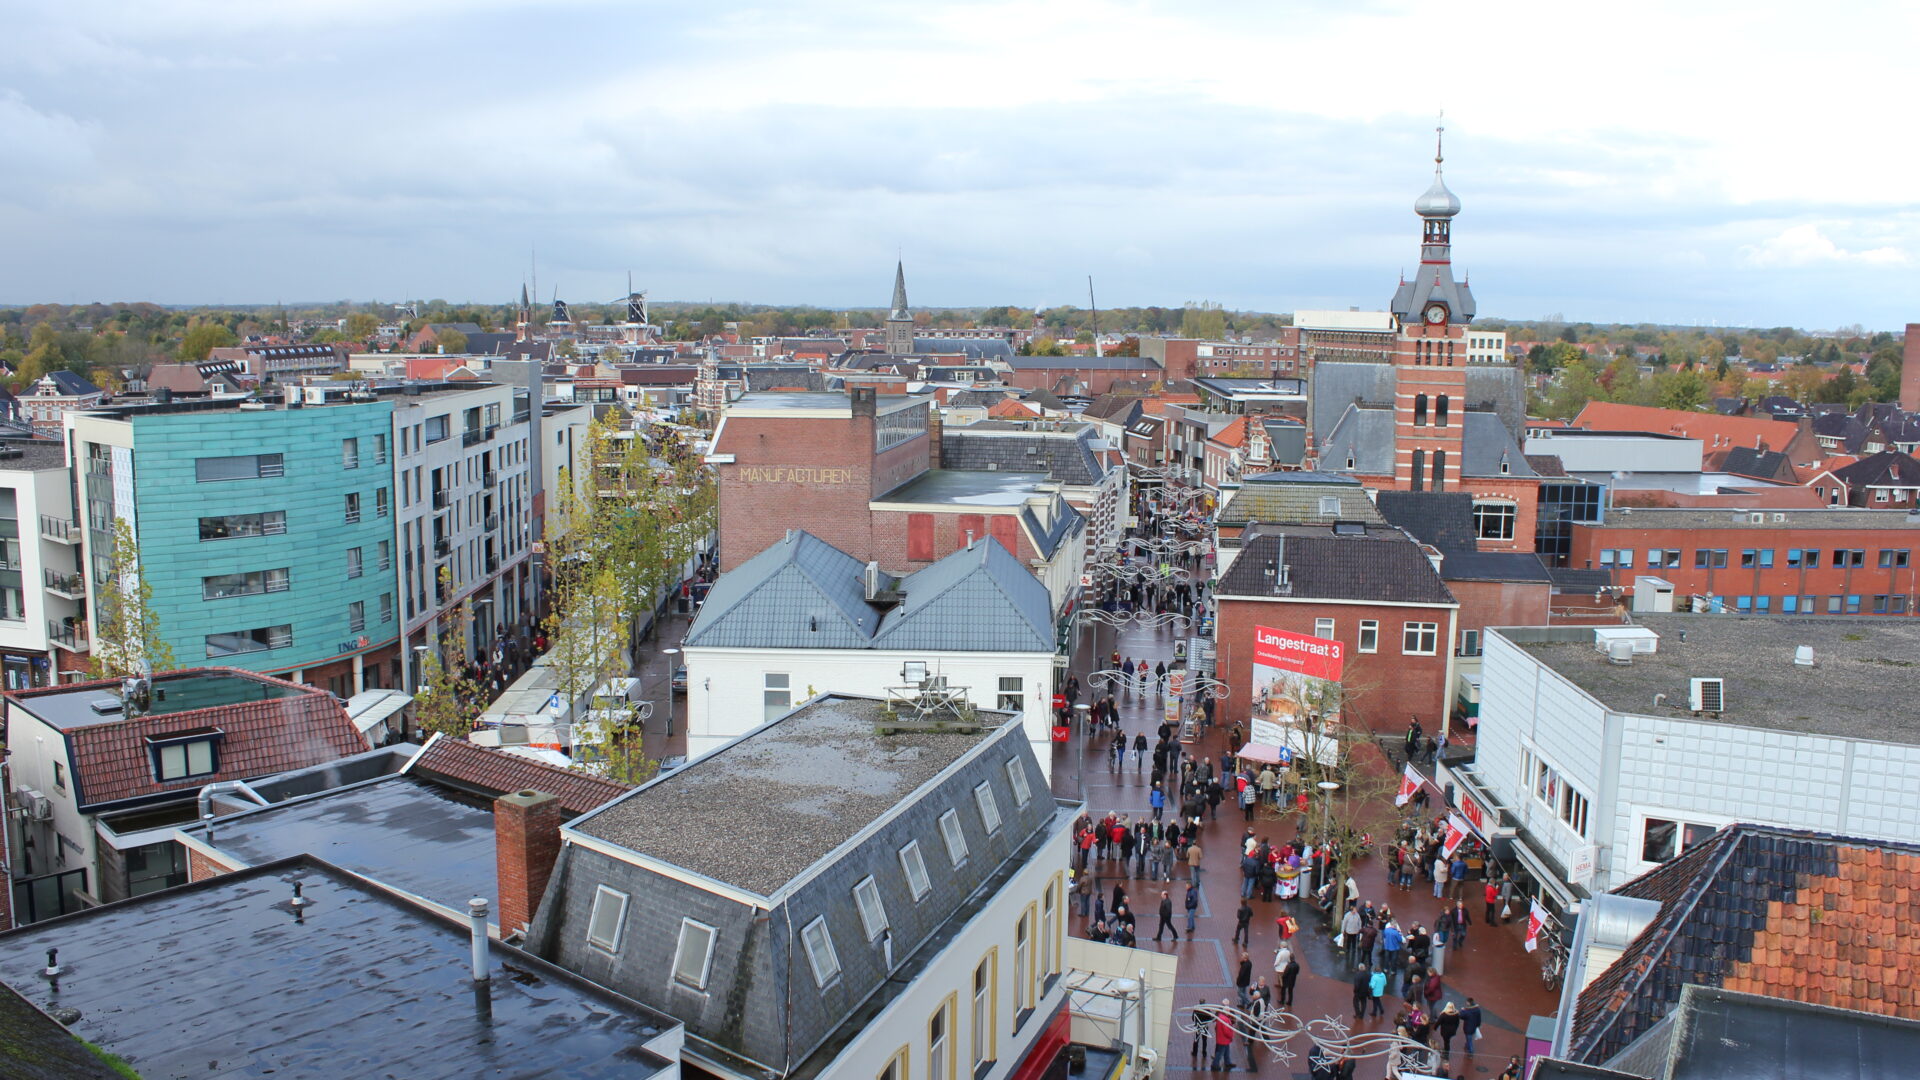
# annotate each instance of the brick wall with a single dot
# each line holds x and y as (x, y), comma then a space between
(1499, 603)
(761, 497)
(1910, 370)
(201, 866)
(1777, 582)
(1388, 686)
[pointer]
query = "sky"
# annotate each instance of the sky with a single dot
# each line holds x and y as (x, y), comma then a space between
(1700, 162)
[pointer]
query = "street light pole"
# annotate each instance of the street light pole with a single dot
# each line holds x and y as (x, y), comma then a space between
(672, 656)
(1080, 711)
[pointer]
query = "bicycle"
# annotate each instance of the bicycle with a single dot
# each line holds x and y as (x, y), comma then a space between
(1555, 968)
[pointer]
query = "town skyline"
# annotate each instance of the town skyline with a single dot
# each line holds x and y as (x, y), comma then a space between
(745, 153)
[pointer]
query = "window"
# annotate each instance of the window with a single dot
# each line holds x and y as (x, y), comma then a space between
(955, 840)
(915, 868)
(776, 697)
(60, 778)
(1710, 559)
(1894, 557)
(940, 1043)
(181, 757)
(1419, 469)
(1369, 635)
(386, 607)
(1050, 913)
(1804, 558)
(983, 991)
(379, 449)
(1658, 558)
(820, 955)
(1017, 780)
(1743, 604)
(437, 429)
(989, 809)
(1606, 556)
(1494, 520)
(231, 526)
(1661, 840)
(349, 453)
(380, 502)
(1012, 691)
(353, 508)
(251, 583)
(1420, 639)
(693, 953)
(1440, 412)
(1551, 788)
(1420, 410)
(1833, 605)
(1853, 605)
(207, 470)
(1763, 604)
(248, 641)
(1022, 964)
(1329, 506)
(1323, 628)
(1756, 559)
(1843, 557)
(353, 563)
(386, 555)
(1789, 605)
(1469, 643)
(357, 617)
(873, 914)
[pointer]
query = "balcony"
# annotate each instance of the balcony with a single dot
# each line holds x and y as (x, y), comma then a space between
(492, 563)
(493, 522)
(71, 638)
(489, 478)
(9, 557)
(71, 586)
(493, 430)
(523, 416)
(353, 517)
(441, 498)
(473, 437)
(59, 530)
(442, 548)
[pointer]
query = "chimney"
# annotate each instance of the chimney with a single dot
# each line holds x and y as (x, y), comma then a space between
(863, 401)
(526, 832)
(936, 425)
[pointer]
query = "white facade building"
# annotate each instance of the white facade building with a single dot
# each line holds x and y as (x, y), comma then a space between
(1597, 760)
(42, 580)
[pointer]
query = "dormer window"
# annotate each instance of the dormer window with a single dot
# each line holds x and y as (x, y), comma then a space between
(186, 754)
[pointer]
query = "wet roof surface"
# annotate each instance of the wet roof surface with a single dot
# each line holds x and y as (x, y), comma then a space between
(414, 835)
(221, 979)
(967, 487)
(761, 810)
(74, 708)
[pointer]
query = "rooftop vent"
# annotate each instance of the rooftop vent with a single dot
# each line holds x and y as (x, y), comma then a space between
(105, 706)
(1706, 695)
(1803, 656)
(1619, 651)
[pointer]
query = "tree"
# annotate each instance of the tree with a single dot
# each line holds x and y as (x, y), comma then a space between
(445, 702)
(451, 341)
(1683, 389)
(362, 325)
(1333, 748)
(1802, 382)
(1576, 385)
(1204, 321)
(202, 338)
(127, 641)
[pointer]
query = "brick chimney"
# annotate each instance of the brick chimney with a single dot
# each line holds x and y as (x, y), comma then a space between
(526, 831)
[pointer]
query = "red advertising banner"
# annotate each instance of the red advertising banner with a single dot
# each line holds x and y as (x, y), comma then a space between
(1314, 657)
(1475, 814)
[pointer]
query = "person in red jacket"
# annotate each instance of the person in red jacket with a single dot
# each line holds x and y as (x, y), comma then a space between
(1222, 1039)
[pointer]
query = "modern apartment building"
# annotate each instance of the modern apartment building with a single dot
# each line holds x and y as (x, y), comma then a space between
(43, 621)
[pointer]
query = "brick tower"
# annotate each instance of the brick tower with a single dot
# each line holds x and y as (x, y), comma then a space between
(899, 325)
(1430, 351)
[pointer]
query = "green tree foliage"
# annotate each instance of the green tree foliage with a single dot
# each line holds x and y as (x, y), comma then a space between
(361, 325)
(1204, 320)
(1683, 389)
(448, 698)
(202, 338)
(127, 639)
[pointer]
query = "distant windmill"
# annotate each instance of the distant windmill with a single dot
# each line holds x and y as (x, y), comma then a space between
(636, 304)
(560, 312)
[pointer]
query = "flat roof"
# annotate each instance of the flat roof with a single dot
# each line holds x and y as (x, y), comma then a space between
(223, 978)
(816, 401)
(756, 813)
(67, 709)
(1862, 687)
(423, 838)
(1635, 517)
(35, 455)
(968, 487)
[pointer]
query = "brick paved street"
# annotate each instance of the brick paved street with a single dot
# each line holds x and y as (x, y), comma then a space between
(1494, 967)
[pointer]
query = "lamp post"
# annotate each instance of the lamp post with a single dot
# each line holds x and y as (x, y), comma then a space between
(672, 656)
(1080, 733)
(1327, 788)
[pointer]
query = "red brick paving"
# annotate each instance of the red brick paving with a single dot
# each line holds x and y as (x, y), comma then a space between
(1493, 967)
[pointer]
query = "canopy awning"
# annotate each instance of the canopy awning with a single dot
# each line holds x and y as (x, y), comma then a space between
(369, 708)
(1266, 754)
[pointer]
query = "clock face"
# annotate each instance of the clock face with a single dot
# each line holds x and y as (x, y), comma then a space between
(1436, 313)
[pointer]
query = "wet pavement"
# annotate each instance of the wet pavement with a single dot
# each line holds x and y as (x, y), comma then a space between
(1493, 967)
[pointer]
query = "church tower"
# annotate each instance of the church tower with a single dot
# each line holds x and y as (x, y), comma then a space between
(1430, 352)
(899, 325)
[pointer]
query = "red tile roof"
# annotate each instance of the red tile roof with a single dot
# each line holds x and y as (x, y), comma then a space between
(497, 772)
(1713, 429)
(112, 760)
(1234, 434)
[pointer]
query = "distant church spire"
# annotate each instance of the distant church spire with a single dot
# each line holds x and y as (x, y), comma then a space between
(900, 292)
(898, 336)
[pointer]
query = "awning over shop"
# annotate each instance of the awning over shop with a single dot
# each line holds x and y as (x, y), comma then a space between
(1266, 754)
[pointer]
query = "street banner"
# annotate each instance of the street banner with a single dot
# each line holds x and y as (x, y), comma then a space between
(1294, 674)
(1410, 782)
(1474, 813)
(1456, 832)
(1536, 918)
(1176, 685)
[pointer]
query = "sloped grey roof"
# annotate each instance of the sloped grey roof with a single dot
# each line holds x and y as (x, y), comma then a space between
(1273, 498)
(1378, 563)
(71, 384)
(1338, 384)
(972, 348)
(1487, 442)
(1364, 436)
(978, 599)
(1066, 457)
(1433, 283)
(804, 593)
(1081, 363)
(1441, 518)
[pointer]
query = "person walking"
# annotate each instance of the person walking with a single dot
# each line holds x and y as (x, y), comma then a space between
(1139, 750)
(1449, 1025)
(1377, 988)
(1257, 1005)
(1506, 898)
(1433, 991)
(1289, 975)
(1350, 932)
(1457, 935)
(1157, 799)
(1492, 897)
(1193, 861)
(1202, 1031)
(1125, 841)
(1439, 877)
(1222, 1040)
(1166, 920)
(1193, 905)
(1391, 941)
(1362, 992)
(1457, 875)
(1242, 923)
(1243, 978)
(1470, 1023)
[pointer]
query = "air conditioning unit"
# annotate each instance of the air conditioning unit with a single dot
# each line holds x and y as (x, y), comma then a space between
(1706, 695)
(37, 806)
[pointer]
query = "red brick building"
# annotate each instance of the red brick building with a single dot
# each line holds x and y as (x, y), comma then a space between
(1782, 562)
(1370, 587)
(1910, 370)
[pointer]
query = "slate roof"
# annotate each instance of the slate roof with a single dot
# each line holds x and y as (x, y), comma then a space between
(1888, 468)
(1065, 456)
(1443, 519)
(1795, 914)
(1375, 563)
(1115, 408)
(221, 978)
(1283, 497)
(1364, 435)
(276, 727)
(1523, 567)
(972, 348)
(1081, 363)
(494, 773)
(1546, 465)
(804, 593)
(71, 384)
(1760, 464)
(1337, 384)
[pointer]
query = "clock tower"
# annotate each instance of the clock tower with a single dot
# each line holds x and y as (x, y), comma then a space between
(1430, 351)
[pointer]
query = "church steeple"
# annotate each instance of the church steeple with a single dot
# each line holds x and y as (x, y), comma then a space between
(899, 325)
(1433, 297)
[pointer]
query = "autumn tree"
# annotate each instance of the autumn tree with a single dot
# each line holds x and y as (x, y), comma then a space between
(445, 702)
(202, 338)
(127, 639)
(451, 341)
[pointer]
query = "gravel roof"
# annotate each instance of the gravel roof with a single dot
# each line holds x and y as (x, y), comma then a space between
(1866, 679)
(758, 812)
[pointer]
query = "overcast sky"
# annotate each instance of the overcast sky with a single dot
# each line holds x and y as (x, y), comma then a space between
(1717, 162)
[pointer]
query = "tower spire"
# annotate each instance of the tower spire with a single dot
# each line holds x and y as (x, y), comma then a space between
(900, 291)
(1439, 134)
